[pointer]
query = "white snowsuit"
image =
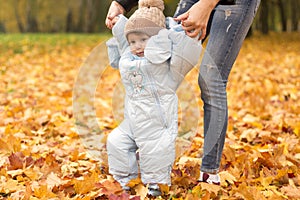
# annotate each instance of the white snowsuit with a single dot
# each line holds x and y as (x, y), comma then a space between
(150, 113)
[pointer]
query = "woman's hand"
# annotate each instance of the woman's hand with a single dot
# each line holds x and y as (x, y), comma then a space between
(195, 20)
(112, 15)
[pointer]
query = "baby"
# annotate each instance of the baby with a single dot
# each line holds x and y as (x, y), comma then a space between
(152, 61)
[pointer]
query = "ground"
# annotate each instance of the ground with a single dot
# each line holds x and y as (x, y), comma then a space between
(59, 99)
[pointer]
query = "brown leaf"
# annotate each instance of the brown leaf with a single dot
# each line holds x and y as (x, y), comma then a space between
(123, 196)
(109, 187)
(16, 161)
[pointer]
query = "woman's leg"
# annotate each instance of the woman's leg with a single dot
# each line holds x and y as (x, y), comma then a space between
(230, 24)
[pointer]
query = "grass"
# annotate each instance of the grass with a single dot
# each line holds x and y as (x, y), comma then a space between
(19, 43)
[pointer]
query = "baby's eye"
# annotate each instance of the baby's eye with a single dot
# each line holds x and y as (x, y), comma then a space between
(144, 39)
(131, 42)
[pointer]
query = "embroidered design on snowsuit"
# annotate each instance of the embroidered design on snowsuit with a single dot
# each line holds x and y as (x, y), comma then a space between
(136, 80)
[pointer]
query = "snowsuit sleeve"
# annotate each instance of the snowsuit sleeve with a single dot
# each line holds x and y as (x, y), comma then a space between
(175, 47)
(185, 53)
(117, 45)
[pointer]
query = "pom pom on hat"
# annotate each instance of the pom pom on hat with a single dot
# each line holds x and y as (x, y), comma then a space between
(152, 3)
(148, 18)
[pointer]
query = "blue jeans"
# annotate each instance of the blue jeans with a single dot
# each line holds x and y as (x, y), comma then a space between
(228, 28)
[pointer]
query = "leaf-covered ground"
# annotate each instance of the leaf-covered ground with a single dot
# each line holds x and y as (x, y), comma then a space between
(43, 157)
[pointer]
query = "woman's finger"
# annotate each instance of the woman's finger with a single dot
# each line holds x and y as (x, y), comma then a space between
(188, 28)
(202, 34)
(187, 23)
(193, 33)
(182, 17)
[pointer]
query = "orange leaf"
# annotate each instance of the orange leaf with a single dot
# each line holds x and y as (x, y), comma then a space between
(109, 187)
(134, 182)
(206, 196)
(86, 185)
(4, 146)
(164, 188)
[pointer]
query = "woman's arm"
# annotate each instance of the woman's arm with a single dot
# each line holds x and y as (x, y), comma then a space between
(127, 4)
(195, 20)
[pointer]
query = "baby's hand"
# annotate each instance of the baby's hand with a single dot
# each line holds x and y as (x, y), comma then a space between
(114, 20)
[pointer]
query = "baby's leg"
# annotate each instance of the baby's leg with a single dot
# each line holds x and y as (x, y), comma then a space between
(157, 156)
(121, 150)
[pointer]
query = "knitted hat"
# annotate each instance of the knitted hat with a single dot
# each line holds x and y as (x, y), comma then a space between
(148, 18)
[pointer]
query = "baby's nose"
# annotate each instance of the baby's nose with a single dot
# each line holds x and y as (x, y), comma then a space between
(138, 45)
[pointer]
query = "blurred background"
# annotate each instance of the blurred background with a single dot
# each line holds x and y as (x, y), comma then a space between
(88, 16)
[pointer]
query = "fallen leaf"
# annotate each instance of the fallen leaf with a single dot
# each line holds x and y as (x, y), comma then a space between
(16, 161)
(211, 188)
(141, 191)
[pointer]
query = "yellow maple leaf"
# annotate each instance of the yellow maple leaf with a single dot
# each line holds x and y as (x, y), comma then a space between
(53, 180)
(86, 185)
(196, 191)
(133, 182)
(211, 188)
(10, 186)
(227, 177)
(83, 186)
(141, 191)
(43, 192)
(33, 173)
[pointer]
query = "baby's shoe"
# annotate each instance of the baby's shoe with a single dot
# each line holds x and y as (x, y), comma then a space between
(126, 188)
(154, 190)
(209, 178)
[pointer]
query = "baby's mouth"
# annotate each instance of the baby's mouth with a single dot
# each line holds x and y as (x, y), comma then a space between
(140, 54)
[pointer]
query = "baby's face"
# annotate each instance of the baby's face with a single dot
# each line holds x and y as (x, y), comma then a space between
(137, 42)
